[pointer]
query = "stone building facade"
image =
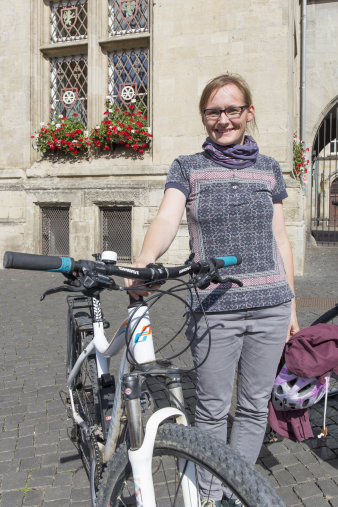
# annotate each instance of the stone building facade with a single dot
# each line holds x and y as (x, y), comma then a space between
(51, 204)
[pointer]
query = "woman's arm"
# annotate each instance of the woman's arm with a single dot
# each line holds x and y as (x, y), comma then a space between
(164, 227)
(279, 229)
(161, 233)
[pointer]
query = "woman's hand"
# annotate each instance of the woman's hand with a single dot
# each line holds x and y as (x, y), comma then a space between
(142, 289)
(293, 326)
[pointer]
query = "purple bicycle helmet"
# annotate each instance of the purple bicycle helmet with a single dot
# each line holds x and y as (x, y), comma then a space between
(291, 392)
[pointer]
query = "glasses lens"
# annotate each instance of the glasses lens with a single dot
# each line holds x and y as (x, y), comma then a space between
(234, 112)
(231, 112)
(212, 114)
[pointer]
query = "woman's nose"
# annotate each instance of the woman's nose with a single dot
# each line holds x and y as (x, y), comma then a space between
(223, 118)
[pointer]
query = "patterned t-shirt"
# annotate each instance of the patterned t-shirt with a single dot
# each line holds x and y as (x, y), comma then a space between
(230, 211)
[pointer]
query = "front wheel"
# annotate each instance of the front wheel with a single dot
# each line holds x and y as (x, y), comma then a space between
(173, 443)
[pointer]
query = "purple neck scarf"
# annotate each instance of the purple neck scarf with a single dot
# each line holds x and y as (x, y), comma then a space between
(233, 156)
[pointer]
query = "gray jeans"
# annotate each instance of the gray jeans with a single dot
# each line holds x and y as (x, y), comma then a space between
(253, 340)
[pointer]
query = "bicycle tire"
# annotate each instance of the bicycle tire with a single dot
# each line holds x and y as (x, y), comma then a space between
(86, 390)
(327, 317)
(177, 441)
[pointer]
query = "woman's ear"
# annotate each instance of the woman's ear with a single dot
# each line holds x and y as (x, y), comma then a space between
(251, 113)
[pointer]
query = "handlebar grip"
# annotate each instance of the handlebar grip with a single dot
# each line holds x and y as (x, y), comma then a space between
(19, 260)
(228, 260)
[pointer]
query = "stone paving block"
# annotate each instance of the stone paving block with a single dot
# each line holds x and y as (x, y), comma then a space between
(272, 464)
(300, 472)
(40, 481)
(316, 502)
(14, 481)
(30, 463)
(12, 499)
(288, 459)
(63, 479)
(43, 471)
(318, 470)
(6, 456)
(57, 493)
(308, 490)
(24, 442)
(80, 494)
(331, 466)
(42, 450)
(69, 462)
(33, 498)
(58, 503)
(9, 466)
(328, 487)
(305, 457)
(25, 452)
(284, 478)
(50, 459)
(80, 478)
(7, 444)
(287, 494)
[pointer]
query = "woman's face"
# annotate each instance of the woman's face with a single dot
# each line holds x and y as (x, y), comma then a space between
(226, 130)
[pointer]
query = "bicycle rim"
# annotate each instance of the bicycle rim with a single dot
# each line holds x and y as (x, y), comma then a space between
(175, 446)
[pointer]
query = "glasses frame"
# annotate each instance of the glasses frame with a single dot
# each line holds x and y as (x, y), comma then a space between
(225, 112)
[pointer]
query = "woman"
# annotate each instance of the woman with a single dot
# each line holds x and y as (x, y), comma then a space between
(233, 198)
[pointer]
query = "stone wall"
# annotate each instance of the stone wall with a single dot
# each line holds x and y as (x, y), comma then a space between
(189, 45)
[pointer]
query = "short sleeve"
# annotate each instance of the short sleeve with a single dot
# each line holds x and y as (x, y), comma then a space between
(279, 190)
(177, 178)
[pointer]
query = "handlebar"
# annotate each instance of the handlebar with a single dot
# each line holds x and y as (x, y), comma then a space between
(152, 273)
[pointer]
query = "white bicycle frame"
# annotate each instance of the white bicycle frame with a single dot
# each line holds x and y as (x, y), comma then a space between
(142, 349)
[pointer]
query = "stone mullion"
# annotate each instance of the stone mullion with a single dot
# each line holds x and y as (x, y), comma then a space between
(97, 61)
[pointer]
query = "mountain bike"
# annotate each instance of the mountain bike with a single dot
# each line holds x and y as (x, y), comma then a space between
(133, 452)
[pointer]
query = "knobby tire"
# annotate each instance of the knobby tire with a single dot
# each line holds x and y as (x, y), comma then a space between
(174, 441)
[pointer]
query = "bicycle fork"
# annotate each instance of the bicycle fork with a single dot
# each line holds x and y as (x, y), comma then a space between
(142, 445)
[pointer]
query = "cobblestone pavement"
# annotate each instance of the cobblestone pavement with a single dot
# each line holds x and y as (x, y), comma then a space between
(39, 464)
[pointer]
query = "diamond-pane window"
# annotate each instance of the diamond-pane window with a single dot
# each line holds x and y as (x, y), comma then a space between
(68, 20)
(128, 76)
(54, 230)
(116, 231)
(69, 86)
(128, 16)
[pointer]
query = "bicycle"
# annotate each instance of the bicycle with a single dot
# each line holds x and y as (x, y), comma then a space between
(127, 463)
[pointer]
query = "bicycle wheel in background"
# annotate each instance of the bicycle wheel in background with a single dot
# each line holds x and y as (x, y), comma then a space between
(85, 389)
(174, 442)
(329, 317)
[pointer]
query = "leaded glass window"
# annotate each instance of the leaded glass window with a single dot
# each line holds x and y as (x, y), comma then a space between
(128, 77)
(69, 86)
(68, 20)
(128, 16)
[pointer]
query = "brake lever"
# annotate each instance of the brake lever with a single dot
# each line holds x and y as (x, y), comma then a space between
(219, 279)
(61, 288)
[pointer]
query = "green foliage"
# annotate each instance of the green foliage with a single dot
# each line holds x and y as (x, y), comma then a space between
(62, 134)
(126, 126)
(122, 125)
(300, 162)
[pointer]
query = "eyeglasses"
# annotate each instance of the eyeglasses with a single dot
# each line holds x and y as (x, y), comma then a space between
(231, 112)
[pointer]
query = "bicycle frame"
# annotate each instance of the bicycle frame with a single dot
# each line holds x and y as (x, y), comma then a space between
(141, 346)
